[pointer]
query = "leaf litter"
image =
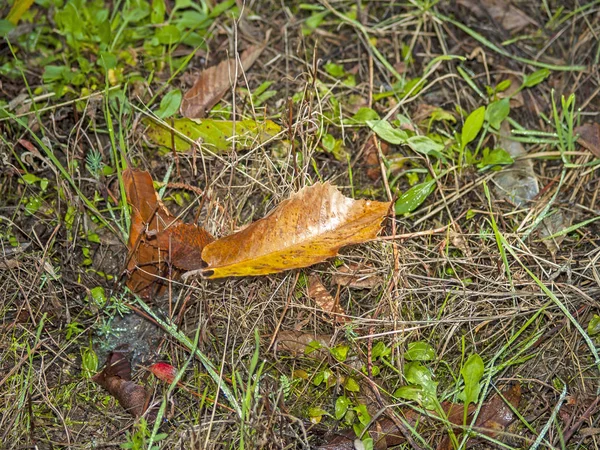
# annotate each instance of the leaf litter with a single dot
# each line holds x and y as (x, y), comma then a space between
(324, 300)
(116, 379)
(160, 245)
(214, 82)
(309, 227)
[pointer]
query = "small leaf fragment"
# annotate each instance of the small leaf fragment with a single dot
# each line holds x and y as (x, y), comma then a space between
(169, 104)
(419, 351)
(414, 197)
(164, 372)
(321, 296)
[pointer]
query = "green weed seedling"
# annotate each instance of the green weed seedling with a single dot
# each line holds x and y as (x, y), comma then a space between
(139, 437)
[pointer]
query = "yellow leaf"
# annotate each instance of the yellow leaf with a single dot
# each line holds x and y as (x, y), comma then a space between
(309, 227)
(19, 8)
(215, 135)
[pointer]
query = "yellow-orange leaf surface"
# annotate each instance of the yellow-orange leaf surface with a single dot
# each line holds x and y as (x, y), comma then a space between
(160, 245)
(309, 227)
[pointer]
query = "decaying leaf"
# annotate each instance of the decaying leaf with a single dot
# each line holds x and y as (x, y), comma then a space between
(357, 276)
(309, 227)
(324, 300)
(502, 12)
(517, 183)
(214, 135)
(160, 245)
(296, 343)
(214, 82)
(496, 414)
(589, 137)
(371, 157)
(116, 379)
(494, 417)
(513, 92)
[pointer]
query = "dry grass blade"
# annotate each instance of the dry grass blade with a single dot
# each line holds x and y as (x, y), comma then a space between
(214, 82)
(309, 227)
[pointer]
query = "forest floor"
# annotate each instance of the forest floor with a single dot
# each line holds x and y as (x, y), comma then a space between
(472, 321)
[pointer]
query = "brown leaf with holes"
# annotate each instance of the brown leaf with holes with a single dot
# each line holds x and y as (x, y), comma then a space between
(116, 379)
(589, 137)
(160, 245)
(309, 227)
(213, 83)
(324, 300)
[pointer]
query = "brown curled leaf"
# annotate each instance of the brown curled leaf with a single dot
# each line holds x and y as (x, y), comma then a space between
(160, 245)
(116, 379)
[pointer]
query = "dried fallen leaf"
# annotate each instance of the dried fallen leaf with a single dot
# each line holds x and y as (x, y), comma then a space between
(357, 276)
(116, 379)
(215, 135)
(296, 343)
(496, 414)
(160, 245)
(321, 296)
(309, 227)
(502, 12)
(214, 82)
(589, 137)
(371, 157)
